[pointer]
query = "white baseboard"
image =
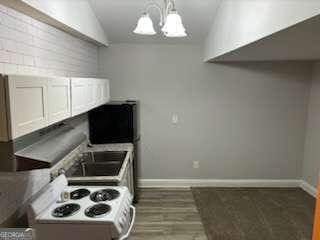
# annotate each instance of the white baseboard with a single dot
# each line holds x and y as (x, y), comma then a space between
(308, 188)
(262, 183)
(187, 183)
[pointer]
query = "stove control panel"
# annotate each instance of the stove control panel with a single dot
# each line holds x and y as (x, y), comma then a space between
(124, 218)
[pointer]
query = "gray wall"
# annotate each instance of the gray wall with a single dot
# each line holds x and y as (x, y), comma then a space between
(240, 120)
(311, 164)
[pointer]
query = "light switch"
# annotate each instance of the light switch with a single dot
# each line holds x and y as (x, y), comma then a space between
(196, 164)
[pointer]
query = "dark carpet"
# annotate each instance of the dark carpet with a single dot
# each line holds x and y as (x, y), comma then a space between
(255, 214)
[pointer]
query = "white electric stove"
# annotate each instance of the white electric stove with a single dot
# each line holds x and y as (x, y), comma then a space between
(82, 212)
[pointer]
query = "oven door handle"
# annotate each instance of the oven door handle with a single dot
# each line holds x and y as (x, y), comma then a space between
(133, 218)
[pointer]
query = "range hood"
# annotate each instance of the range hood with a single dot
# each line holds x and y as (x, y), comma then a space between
(45, 152)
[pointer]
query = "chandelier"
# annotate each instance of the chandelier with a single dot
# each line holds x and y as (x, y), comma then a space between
(170, 21)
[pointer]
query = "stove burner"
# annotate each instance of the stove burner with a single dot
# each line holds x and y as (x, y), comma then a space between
(66, 210)
(98, 210)
(104, 195)
(79, 193)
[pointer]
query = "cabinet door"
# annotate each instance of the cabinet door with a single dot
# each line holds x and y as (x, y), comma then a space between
(100, 91)
(106, 91)
(79, 96)
(59, 99)
(28, 104)
(91, 93)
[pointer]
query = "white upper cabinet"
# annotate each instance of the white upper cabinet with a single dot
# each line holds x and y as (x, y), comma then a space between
(92, 88)
(99, 92)
(103, 95)
(28, 104)
(88, 93)
(79, 95)
(59, 99)
(106, 91)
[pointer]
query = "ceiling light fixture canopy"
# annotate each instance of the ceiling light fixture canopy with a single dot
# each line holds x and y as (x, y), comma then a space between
(170, 21)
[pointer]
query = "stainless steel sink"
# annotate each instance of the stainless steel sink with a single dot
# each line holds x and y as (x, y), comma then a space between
(100, 169)
(98, 164)
(92, 157)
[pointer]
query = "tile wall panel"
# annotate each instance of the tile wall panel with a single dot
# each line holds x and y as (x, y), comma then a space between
(28, 46)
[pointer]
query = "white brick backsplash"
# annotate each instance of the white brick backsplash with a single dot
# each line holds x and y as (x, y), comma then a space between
(28, 60)
(10, 68)
(16, 58)
(25, 49)
(22, 27)
(19, 16)
(28, 46)
(4, 56)
(3, 9)
(9, 21)
(10, 45)
(1, 17)
(3, 31)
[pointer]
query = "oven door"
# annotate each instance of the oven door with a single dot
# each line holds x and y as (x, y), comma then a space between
(130, 224)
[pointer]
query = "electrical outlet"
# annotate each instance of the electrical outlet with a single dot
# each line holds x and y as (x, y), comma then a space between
(196, 164)
(175, 119)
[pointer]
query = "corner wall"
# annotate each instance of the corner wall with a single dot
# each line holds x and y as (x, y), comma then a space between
(311, 164)
(241, 22)
(239, 120)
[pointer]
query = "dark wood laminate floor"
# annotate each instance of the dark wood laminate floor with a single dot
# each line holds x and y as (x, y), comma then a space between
(255, 214)
(164, 214)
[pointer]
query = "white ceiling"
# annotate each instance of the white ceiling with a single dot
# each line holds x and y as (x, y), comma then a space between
(119, 18)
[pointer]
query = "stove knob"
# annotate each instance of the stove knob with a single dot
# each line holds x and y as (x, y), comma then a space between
(121, 222)
(126, 212)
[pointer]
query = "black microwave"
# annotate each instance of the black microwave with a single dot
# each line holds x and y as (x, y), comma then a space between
(115, 122)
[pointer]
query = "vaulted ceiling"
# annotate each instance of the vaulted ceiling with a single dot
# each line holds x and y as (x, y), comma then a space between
(119, 17)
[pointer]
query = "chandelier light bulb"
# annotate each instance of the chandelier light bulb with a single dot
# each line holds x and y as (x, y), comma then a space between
(173, 26)
(145, 26)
